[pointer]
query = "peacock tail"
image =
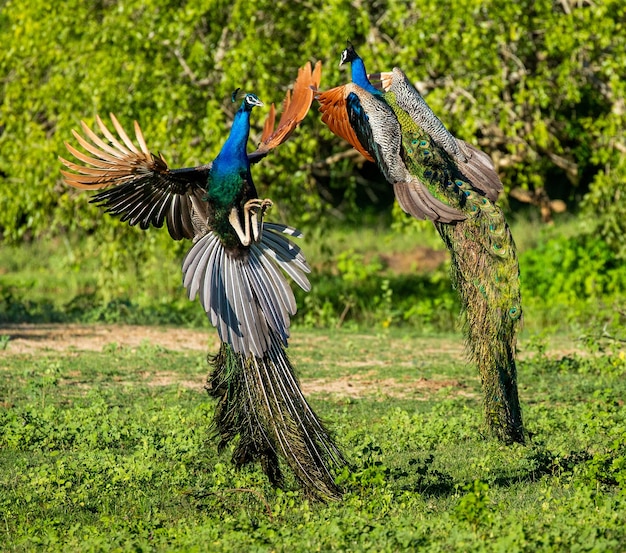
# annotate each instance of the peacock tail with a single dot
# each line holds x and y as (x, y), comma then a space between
(248, 299)
(484, 271)
(259, 400)
(245, 293)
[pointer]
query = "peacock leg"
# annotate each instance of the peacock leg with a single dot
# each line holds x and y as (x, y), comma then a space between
(256, 220)
(242, 233)
(251, 220)
(251, 210)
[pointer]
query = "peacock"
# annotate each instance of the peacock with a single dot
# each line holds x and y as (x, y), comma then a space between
(236, 266)
(437, 177)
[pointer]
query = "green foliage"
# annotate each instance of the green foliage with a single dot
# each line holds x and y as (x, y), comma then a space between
(573, 278)
(539, 85)
(603, 206)
(474, 507)
(569, 280)
(63, 281)
(111, 450)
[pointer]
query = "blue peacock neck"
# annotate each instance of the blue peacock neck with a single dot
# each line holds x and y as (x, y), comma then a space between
(359, 76)
(233, 154)
(231, 165)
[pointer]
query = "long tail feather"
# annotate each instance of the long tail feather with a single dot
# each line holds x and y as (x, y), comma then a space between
(259, 399)
(485, 272)
(248, 296)
(248, 299)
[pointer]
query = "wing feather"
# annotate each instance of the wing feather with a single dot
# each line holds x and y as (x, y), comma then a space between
(480, 171)
(475, 165)
(333, 107)
(122, 133)
(417, 201)
(141, 187)
(295, 107)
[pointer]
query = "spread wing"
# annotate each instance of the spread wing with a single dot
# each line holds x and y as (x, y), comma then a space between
(141, 188)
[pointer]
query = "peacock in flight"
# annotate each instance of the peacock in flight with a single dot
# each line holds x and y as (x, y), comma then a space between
(236, 266)
(438, 177)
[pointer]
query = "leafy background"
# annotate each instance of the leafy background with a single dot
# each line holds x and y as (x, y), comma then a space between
(93, 456)
(538, 85)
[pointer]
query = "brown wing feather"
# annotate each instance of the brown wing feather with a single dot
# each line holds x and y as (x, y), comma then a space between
(381, 81)
(480, 171)
(142, 189)
(268, 126)
(295, 107)
(415, 200)
(335, 116)
(111, 164)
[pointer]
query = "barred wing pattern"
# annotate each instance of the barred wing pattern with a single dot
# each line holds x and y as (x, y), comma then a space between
(143, 189)
(371, 127)
(475, 165)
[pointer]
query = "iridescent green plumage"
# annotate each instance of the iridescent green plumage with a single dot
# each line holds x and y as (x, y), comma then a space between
(272, 419)
(484, 270)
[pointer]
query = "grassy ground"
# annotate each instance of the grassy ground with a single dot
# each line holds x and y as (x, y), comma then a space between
(109, 448)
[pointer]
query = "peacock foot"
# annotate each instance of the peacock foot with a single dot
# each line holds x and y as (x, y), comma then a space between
(256, 205)
(253, 213)
(255, 209)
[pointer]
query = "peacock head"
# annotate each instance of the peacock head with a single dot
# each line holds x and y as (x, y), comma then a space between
(249, 100)
(348, 55)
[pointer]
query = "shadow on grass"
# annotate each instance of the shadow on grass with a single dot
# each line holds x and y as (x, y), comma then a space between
(419, 475)
(426, 300)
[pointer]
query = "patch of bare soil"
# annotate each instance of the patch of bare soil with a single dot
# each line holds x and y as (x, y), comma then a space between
(419, 259)
(362, 385)
(28, 338)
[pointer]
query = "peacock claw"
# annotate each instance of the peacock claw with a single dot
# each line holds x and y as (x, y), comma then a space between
(253, 213)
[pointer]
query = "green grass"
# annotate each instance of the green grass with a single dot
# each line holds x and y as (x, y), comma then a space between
(111, 450)
(135, 278)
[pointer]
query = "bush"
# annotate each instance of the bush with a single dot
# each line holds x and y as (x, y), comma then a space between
(538, 85)
(574, 278)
